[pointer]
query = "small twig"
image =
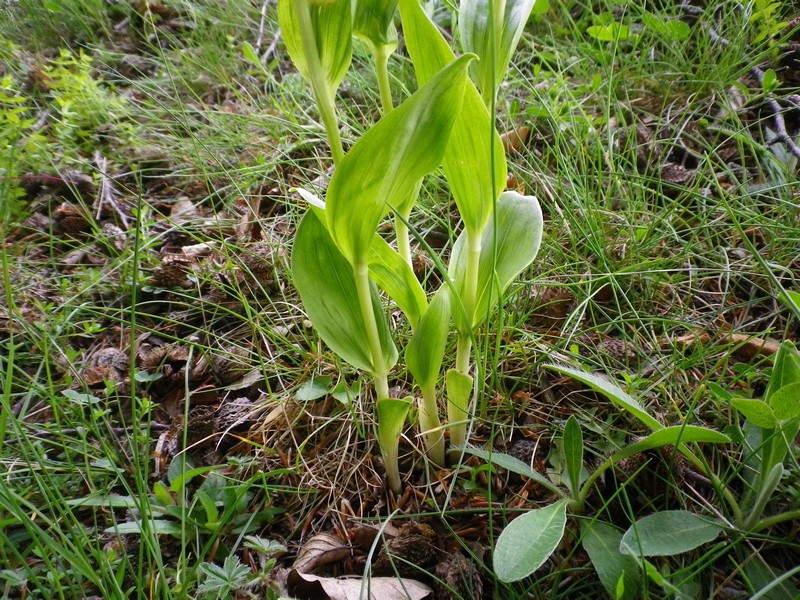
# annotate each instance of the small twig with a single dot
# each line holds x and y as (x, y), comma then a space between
(106, 193)
(781, 135)
(261, 23)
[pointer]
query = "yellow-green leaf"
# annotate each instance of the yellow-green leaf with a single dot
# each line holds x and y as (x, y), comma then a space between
(327, 288)
(474, 143)
(383, 167)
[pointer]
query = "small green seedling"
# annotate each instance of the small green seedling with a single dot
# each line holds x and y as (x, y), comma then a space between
(611, 553)
(769, 435)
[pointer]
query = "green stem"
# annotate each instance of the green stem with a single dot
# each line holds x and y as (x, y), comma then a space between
(464, 342)
(319, 84)
(382, 54)
(403, 239)
(379, 370)
(430, 424)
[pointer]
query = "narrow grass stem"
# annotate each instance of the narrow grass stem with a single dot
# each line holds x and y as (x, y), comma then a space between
(9, 366)
(382, 53)
(322, 91)
(379, 371)
(431, 425)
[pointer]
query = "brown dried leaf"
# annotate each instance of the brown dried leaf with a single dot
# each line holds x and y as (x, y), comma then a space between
(321, 550)
(311, 587)
(514, 140)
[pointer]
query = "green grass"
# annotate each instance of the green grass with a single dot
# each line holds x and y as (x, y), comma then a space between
(670, 227)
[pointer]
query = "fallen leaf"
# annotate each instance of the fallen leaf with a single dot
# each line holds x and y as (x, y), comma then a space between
(311, 587)
(322, 549)
(514, 140)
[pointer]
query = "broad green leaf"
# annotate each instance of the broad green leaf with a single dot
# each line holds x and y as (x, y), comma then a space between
(313, 389)
(611, 391)
(672, 436)
(110, 501)
(528, 541)
(510, 463)
(459, 391)
(210, 508)
(573, 453)
(156, 526)
(327, 288)
(668, 533)
(770, 81)
(383, 167)
(392, 413)
(601, 542)
(517, 228)
(474, 143)
(613, 32)
(756, 411)
(386, 268)
(792, 300)
(475, 23)
(396, 277)
(162, 494)
(785, 371)
(425, 351)
(331, 25)
(374, 23)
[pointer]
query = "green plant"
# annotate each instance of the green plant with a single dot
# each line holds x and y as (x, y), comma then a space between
(338, 258)
(19, 146)
(768, 439)
(216, 508)
(85, 106)
(540, 531)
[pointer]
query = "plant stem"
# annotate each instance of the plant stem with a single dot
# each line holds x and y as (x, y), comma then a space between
(379, 371)
(768, 522)
(322, 91)
(403, 240)
(430, 424)
(382, 53)
(464, 342)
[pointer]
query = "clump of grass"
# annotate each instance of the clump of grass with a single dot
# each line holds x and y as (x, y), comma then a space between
(671, 226)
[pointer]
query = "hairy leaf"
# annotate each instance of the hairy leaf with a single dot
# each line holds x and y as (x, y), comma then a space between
(601, 542)
(668, 533)
(528, 541)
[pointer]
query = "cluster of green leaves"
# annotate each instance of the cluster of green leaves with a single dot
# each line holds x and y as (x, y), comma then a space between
(84, 104)
(767, 439)
(340, 262)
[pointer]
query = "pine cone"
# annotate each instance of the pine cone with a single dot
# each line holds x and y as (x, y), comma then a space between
(415, 544)
(458, 578)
